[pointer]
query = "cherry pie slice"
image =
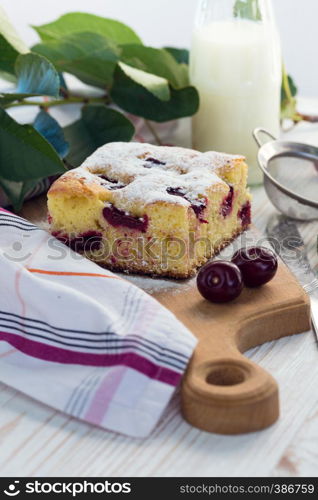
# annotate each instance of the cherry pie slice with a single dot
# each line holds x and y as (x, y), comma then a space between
(148, 209)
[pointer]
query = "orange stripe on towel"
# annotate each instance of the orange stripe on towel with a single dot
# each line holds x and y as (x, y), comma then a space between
(65, 273)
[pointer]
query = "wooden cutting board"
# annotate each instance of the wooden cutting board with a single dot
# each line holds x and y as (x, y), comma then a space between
(223, 391)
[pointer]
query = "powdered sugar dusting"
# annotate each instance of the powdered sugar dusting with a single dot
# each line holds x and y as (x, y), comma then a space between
(127, 157)
(160, 285)
(83, 174)
(146, 172)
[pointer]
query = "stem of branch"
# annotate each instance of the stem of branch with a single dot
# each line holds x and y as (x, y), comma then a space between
(308, 118)
(61, 102)
(153, 132)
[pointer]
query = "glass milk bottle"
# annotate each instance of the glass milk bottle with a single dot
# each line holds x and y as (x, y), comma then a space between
(236, 65)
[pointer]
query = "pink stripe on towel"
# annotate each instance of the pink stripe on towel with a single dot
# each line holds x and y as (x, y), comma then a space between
(100, 403)
(59, 355)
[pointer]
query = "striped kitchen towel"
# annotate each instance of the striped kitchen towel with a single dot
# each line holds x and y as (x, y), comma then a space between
(81, 339)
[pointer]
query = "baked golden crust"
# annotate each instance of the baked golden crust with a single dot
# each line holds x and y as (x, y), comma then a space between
(70, 184)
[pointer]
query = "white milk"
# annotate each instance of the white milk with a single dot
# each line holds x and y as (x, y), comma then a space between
(237, 69)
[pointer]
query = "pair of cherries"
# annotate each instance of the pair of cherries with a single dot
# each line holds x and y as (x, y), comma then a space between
(223, 281)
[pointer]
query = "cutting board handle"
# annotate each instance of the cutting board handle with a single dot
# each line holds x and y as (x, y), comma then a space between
(230, 395)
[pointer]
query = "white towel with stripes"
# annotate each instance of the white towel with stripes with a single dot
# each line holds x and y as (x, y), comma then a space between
(81, 339)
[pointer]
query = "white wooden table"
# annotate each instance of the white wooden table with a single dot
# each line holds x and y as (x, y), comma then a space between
(38, 441)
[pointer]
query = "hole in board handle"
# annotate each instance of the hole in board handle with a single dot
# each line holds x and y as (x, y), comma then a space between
(226, 376)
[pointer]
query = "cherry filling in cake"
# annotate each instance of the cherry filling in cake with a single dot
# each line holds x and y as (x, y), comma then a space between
(227, 204)
(112, 183)
(89, 241)
(158, 210)
(245, 214)
(117, 218)
(198, 209)
(198, 206)
(153, 161)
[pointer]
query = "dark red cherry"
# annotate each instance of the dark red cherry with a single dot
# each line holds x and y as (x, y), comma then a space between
(198, 206)
(227, 203)
(113, 184)
(117, 218)
(220, 281)
(245, 214)
(178, 191)
(258, 265)
(155, 161)
(84, 242)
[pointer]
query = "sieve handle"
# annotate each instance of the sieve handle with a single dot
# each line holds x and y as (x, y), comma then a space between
(256, 135)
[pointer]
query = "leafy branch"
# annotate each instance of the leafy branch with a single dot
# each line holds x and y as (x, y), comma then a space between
(59, 102)
(132, 79)
(144, 81)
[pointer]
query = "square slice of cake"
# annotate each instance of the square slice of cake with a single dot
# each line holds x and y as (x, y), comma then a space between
(151, 209)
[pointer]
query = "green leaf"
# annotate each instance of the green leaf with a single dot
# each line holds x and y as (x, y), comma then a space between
(292, 86)
(288, 98)
(8, 56)
(155, 85)
(75, 22)
(24, 153)
(16, 191)
(138, 100)
(63, 86)
(10, 34)
(10, 44)
(52, 132)
(247, 9)
(180, 55)
(97, 126)
(159, 62)
(36, 75)
(89, 56)
(9, 77)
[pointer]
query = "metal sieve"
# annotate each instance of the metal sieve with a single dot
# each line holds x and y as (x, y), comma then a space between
(290, 175)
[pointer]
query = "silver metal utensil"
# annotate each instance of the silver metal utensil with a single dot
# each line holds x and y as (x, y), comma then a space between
(290, 175)
(283, 235)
